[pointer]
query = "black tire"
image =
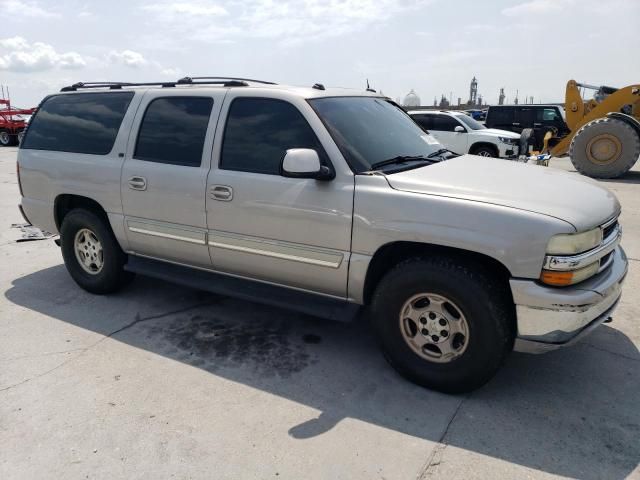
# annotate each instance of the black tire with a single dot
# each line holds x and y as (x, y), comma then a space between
(485, 151)
(625, 156)
(112, 275)
(486, 305)
(6, 140)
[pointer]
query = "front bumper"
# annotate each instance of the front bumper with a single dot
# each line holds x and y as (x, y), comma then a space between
(550, 318)
(508, 150)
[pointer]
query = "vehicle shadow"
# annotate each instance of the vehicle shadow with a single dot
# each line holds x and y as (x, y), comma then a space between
(632, 176)
(573, 412)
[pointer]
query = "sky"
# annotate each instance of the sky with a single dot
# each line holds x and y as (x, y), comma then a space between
(432, 46)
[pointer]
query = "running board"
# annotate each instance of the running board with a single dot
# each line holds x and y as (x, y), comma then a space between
(259, 292)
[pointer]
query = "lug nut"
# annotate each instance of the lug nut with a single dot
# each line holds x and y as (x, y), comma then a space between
(423, 320)
(435, 338)
(442, 322)
(432, 316)
(444, 333)
(424, 331)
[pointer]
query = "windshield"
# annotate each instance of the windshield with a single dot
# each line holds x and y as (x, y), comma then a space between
(470, 122)
(371, 130)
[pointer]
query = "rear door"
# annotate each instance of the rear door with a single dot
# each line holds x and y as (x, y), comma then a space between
(164, 176)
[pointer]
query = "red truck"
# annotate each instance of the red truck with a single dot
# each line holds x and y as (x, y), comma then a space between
(12, 122)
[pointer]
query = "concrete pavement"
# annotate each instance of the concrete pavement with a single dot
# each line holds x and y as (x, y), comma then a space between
(160, 381)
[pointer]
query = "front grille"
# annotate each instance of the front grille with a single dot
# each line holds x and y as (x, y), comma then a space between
(608, 228)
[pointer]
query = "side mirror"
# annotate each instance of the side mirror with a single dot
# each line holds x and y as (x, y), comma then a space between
(304, 163)
(459, 129)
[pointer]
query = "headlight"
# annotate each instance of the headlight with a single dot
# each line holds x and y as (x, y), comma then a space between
(570, 244)
(510, 141)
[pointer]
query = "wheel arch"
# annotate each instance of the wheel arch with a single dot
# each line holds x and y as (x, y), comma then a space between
(390, 254)
(628, 119)
(64, 203)
(484, 143)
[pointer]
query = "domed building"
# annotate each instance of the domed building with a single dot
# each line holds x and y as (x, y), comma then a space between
(412, 99)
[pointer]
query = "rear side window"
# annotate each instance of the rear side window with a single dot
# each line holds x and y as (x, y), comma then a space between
(259, 132)
(500, 116)
(425, 121)
(78, 123)
(173, 130)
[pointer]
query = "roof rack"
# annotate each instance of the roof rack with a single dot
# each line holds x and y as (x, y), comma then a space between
(114, 85)
(224, 81)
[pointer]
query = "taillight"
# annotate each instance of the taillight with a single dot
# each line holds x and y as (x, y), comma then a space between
(18, 175)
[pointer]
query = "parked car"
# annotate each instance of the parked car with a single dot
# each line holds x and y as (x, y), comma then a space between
(479, 115)
(462, 134)
(540, 118)
(330, 202)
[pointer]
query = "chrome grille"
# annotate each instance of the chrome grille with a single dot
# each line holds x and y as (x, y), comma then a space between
(609, 227)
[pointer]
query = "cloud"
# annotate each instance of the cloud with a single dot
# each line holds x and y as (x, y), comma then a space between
(128, 58)
(535, 7)
(167, 11)
(17, 8)
(289, 21)
(18, 55)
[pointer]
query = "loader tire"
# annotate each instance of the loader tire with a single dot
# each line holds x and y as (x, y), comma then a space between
(605, 148)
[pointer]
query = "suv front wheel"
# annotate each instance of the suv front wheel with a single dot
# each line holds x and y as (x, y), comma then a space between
(441, 324)
(91, 253)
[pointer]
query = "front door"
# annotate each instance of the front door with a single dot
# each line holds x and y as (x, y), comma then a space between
(163, 183)
(444, 130)
(288, 231)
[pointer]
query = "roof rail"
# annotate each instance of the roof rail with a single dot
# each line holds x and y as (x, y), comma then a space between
(224, 81)
(114, 85)
(202, 80)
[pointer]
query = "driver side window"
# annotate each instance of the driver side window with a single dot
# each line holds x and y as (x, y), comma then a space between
(445, 123)
(258, 133)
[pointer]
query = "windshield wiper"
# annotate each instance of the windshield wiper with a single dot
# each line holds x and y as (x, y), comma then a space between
(399, 159)
(440, 152)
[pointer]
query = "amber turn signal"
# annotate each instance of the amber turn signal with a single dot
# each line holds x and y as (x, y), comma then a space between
(557, 279)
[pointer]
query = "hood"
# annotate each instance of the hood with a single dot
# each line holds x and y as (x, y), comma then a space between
(568, 196)
(498, 133)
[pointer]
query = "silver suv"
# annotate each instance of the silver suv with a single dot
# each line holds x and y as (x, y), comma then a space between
(328, 201)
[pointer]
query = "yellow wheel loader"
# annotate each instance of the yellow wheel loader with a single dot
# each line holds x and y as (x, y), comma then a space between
(604, 137)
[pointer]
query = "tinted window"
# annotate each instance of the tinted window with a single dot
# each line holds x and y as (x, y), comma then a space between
(369, 130)
(444, 123)
(425, 121)
(259, 132)
(78, 122)
(173, 130)
(525, 116)
(502, 116)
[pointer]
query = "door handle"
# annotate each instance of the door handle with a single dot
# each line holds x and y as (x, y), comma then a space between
(537, 124)
(221, 192)
(138, 183)
(515, 124)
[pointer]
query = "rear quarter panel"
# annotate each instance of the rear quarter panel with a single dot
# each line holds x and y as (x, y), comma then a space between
(45, 175)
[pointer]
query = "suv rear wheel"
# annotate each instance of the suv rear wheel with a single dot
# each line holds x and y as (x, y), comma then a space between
(441, 324)
(91, 253)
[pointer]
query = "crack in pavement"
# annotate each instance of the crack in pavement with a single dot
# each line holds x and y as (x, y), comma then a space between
(621, 355)
(110, 335)
(46, 354)
(436, 454)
